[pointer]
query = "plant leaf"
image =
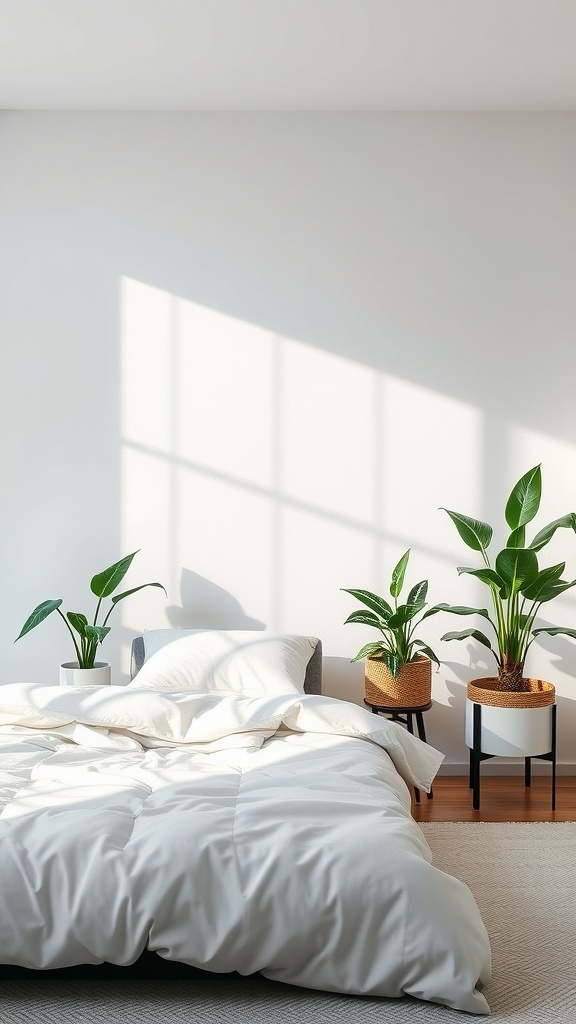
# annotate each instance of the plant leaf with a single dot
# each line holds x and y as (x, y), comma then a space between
(457, 609)
(365, 619)
(517, 566)
(398, 574)
(403, 614)
(434, 609)
(96, 632)
(424, 649)
(104, 583)
(476, 534)
(555, 631)
(555, 589)
(369, 650)
(517, 538)
(78, 621)
(372, 601)
(418, 594)
(474, 633)
(542, 582)
(393, 663)
(120, 597)
(547, 532)
(489, 576)
(41, 612)
(524, 501)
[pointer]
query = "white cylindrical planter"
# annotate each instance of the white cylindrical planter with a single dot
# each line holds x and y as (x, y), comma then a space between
(71, 675)
(512, 732)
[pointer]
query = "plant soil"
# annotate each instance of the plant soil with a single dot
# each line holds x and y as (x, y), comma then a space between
(511, 679)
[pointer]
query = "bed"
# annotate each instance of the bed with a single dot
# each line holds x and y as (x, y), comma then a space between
(220, 812)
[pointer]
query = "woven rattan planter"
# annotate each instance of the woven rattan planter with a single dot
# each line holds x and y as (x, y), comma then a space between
(537, 694)
(411, 688)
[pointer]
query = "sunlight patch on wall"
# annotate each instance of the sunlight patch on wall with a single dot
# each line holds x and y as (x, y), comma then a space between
(327, 434)
(225, 532)
(318, 556)
(278, 472)
(224, 393)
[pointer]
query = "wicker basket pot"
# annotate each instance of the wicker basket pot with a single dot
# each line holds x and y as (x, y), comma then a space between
(412, 687)
(537, 693)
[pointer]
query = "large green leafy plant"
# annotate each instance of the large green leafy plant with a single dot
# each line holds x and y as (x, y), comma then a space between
(87, 636)
(397, 624)
(517, 585)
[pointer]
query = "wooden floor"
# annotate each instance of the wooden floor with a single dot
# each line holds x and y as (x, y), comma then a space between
(502, 798)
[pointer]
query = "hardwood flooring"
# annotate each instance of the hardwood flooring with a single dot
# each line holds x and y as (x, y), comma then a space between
(502, 798)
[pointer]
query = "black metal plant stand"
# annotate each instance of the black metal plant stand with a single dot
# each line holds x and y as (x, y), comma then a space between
(477, 756)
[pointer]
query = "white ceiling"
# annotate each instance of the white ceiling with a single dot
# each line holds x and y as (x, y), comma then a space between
(288, 54)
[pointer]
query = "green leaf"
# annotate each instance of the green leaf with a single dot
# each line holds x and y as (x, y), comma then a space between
(38, 615)
(524, 501)
(393, 663)
(120, 597)
(365, 619)
(555, 589)
(542, 582)
(78, 621)
(370, 650)
(417, 595)
(474, 633)
(403, 614)
(398, 574)
(457, 609)
(104, 583)
(547, 532)
(96, 632)
(517, 567)
(555, 631)
(434, 609)
(372, 601)
(488, 576)
(424, 649)
(517, 538)
(476, 534)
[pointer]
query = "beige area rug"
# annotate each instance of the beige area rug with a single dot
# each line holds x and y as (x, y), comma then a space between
(524, 880)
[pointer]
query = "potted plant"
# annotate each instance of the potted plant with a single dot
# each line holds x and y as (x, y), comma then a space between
(518, 588)
(398, 667)
(86, 636)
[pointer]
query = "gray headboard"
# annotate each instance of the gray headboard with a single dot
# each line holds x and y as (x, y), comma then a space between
(312, 679)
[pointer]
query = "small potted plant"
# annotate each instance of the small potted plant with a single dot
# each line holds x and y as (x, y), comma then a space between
(398, 668)
(518, 588)
(86, 636)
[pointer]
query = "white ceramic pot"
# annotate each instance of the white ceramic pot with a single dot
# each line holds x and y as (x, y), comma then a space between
(71, 675)
(512, 732)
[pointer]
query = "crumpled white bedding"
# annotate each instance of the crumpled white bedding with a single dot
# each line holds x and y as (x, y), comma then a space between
(233, 834)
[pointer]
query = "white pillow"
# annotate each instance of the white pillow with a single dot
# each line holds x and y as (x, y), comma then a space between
(249, 663)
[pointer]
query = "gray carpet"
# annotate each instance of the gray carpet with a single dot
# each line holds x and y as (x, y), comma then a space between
(523, 878)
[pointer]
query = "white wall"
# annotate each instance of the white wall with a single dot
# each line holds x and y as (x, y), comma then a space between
(265, 349)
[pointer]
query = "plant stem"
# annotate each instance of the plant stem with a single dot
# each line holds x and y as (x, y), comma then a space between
(111, 609)
(498, 608)
(69, 628)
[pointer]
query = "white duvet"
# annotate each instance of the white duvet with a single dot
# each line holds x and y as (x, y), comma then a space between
(233, 834)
